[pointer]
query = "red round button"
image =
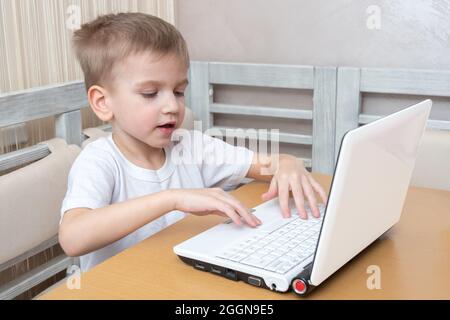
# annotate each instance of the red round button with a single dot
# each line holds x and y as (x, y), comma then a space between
(299, 286)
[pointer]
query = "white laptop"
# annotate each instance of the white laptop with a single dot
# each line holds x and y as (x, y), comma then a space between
(369, 186)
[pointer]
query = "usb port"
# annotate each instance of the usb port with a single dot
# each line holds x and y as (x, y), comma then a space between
(216, 270)
(199, 266)
(254, 281)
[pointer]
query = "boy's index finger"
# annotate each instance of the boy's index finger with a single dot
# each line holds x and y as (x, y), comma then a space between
(252, 211)
(255, 218)
(240, 209)
(246, 215)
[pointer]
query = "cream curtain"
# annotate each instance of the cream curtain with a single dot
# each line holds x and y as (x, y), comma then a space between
(35, 50)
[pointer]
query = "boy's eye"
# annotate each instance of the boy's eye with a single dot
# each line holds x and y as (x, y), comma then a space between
(179, 93)
(149, 95)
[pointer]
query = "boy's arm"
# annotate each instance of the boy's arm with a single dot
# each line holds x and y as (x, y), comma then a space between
(287, 173)
(84, 230)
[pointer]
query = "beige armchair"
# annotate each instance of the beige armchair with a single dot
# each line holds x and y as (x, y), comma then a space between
(432, 168)
(30, 202)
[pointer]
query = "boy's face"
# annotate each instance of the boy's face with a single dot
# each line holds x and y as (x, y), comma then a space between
(148, 98)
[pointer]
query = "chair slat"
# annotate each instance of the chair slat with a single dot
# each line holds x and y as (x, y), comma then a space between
(41, 102)
(262, 75)
(286, 113)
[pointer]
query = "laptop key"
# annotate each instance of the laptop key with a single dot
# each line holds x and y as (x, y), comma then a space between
(284, 268)
(238, 257)
(273, 266)
(274, 226)
(256, 262)
(257, 255)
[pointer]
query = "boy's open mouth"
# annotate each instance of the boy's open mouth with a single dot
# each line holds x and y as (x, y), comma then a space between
(168, 125)
(167, 128)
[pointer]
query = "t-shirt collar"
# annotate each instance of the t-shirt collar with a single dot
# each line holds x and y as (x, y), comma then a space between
(140, 173)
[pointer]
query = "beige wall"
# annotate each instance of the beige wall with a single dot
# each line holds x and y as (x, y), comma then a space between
(412, 34)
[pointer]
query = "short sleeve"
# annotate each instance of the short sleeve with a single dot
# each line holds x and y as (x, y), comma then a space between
(91, 181)
(221, 164)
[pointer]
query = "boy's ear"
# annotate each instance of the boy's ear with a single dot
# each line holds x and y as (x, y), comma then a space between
(97, 100)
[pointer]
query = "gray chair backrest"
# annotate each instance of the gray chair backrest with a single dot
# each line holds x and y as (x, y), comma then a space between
(63, 101)
(322, 80)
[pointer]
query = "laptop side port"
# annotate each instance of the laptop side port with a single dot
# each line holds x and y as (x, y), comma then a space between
(216, 270)
(231, 274)
(199, 266)
(254, 281)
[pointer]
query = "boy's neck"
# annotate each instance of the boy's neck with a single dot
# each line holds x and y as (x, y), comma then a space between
(139, 153)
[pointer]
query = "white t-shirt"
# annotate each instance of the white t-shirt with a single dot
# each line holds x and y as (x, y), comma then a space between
(101, 175)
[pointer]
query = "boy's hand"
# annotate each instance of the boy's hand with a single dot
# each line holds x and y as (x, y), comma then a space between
(291, 175)
(213, 201)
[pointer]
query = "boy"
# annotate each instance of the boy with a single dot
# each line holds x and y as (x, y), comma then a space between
(125, 187)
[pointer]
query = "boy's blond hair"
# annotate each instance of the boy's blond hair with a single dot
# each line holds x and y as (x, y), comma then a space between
(110, 38)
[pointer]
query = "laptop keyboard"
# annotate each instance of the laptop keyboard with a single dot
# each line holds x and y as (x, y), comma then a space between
(278, 247)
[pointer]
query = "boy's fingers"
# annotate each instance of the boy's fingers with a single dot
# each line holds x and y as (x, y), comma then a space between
(299, 199)
(239, 208)
(283, 198)
(318, 189)
(216, 212)
(311, 198)
(242, 209)
(228, 210)
(271, 192)
(249, 218)
(256, 218)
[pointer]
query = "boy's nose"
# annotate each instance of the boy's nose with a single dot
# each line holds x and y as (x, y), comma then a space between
(171, 105)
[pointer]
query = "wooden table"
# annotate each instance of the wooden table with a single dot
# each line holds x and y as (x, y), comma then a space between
(414, 259)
